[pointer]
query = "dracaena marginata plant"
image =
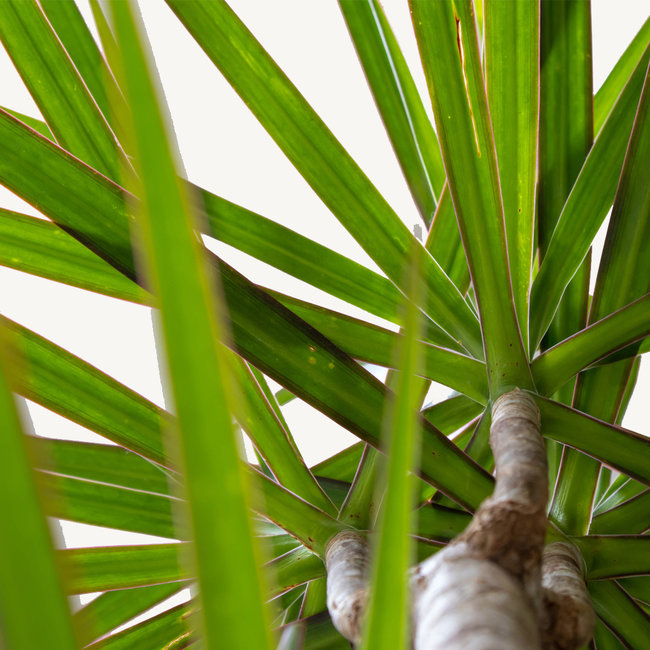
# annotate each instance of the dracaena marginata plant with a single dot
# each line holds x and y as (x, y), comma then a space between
(511, 514)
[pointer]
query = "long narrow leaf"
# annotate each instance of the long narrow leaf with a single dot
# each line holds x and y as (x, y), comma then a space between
(71, 29)
(111, 464)
(512, 79)
(321, 160)
(608, 93)
(120, 567)
(386, 625)
(620, 613)
(615, 556)
(630, 516)
(449, 49)
(166, 630)
(76, 390)
(624, 450)
(374, 344)
(557, 365)
(445, 244)
(323, 375)
(622, 277)
(110, 506)
(273, 440)
(57, 88)
(33, 608)
(114, 608)
(225, 553)
(586, 206)
(245, 230)
(42, 248)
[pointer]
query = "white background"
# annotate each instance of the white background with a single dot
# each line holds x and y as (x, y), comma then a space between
(226, 151)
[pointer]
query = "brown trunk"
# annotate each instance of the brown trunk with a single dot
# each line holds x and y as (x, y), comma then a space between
(568, 619)
(484, 591)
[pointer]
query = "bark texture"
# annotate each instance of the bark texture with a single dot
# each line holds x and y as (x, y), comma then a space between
(495, 587)
(568, 620)
(346, 559)
(483, 591)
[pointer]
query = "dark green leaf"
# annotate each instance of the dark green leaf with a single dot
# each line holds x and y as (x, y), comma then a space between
(512, 80)
(586, 207)
(55, 85)
(620, 613)
(114, 608)
(617, 447)
(615, 556)
(629, 517)
(449, 50)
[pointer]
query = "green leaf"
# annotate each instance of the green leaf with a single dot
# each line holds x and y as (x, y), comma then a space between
(304, 259)
(114, 608)
(321, 160)
(31, 122)
(76, 390)
(33, 607)
(512, 81)
(620, 613)
(615, 556)
(566, 93)
(631, 516)
(341, 466)
(445, 244)
(318, 633)
(122, 567)
(109, 464)
(387, 616)
(554, 367)
(272, 438)
(448, 45)
(621, 489)
(439, 523)
(42, 174)
(586, 207)
(321, 374)
(165, 630)
(566, 135)
(293, 568)
(605, 639)
(192, 326)
(622, 277)
(398, 102)
(307, 523)
(375, 345)
(111, 506)
(617, 447)
(608, 93)
(42, 248)
(57, 88)
(453, 413)
(638, 588)
(72, 31)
